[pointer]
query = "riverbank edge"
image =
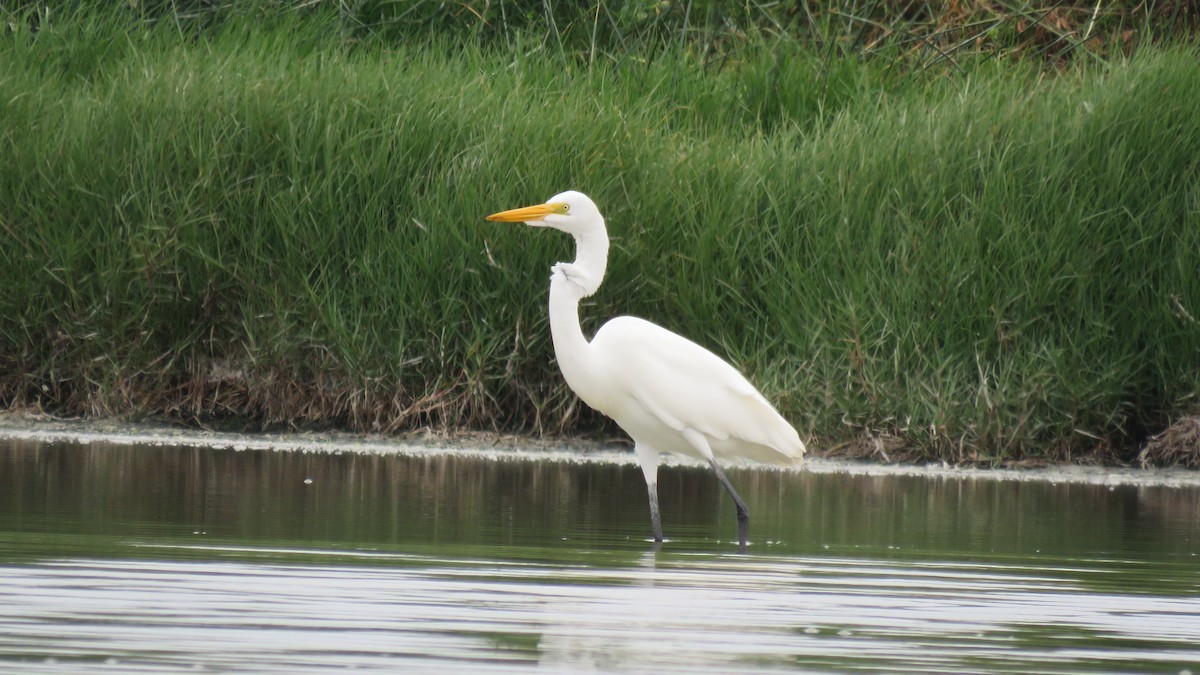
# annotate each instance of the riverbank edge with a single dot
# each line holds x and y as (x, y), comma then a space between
(270, 223)
(504, 447)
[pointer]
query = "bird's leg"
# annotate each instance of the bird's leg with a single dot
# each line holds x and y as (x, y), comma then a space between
(655, 516)
(648, 459)
(698, 441)
(743, 514)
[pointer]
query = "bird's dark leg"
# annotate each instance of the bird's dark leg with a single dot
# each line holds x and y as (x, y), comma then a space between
(743, 514)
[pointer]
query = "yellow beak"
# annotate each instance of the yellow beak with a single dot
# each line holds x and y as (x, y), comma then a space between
(527, 213)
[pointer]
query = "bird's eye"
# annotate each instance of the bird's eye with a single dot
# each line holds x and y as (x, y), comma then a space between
(564, 208)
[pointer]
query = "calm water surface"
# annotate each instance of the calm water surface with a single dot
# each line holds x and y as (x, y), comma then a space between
(150, 558)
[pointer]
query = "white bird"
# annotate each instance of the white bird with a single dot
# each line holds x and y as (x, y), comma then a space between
(667, 392)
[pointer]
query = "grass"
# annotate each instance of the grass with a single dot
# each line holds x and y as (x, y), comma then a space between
(272, 221)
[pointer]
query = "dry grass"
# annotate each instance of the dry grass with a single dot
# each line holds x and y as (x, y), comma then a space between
(1178, 445)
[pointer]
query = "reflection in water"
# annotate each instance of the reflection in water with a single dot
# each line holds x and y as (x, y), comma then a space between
(365, 499)
(181, 558)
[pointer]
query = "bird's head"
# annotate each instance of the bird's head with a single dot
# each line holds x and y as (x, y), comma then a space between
(571, 212)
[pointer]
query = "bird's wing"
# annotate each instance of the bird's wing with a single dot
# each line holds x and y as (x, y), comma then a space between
(685, 385)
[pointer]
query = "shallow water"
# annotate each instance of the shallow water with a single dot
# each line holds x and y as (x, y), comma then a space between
(127, 558)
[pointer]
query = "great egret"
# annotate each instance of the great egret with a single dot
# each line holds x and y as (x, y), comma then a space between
(667, 392)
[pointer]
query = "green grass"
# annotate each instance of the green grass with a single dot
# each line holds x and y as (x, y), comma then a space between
(278, 223)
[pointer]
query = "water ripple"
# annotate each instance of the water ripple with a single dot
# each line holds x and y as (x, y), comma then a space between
(682, 613)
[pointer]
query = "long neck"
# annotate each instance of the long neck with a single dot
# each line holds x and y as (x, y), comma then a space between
(591, 257)
(566, 290)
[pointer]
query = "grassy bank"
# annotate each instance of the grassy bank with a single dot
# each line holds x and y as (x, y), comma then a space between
(274, 222)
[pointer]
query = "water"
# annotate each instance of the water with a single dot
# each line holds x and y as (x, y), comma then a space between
(129, 558)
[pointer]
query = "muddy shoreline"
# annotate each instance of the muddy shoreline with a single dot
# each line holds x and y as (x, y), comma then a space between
(35, 428)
